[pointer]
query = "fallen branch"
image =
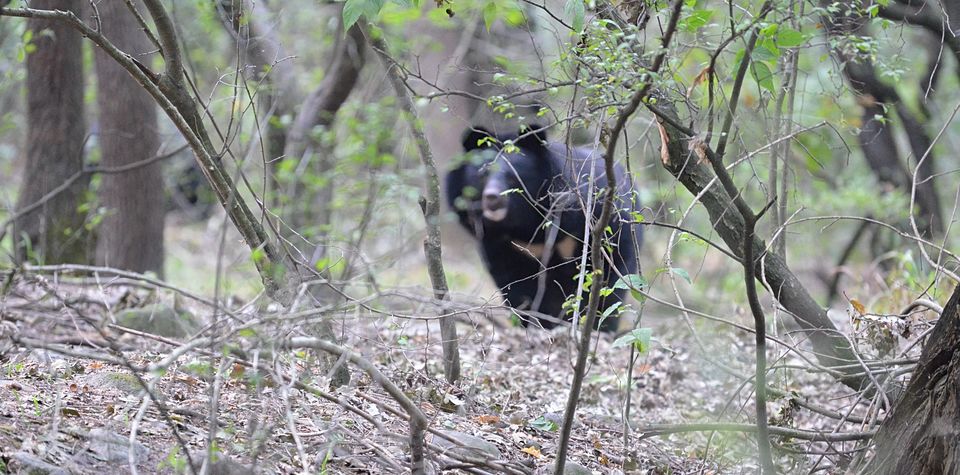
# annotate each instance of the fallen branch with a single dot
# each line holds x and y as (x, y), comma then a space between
(813, 436)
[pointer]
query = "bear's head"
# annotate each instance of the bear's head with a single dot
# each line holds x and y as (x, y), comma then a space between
(465, 182)
(515, 180)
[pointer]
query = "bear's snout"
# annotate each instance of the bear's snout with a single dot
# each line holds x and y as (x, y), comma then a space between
(494, 205)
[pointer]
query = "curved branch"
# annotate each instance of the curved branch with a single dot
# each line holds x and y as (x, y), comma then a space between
(274, 269)
(167, 37)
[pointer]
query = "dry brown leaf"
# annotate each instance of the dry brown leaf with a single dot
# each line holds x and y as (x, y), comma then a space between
(532, 451)
(704, 74)
(237, 371)
(698, 147)
(487, 419)
(188, 380)
(858, 306)
(664, 144)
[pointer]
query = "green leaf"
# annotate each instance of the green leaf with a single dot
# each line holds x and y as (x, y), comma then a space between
(631, 281)
(762, 74)
(611, 309)
(639, 338)
(352, 9)
(789, 38)
(576, 10)
(489, 14)
(544, 424)
(766, 51)
(697, 19)
(515, 319)
(514, 16)
(635, 283)
(682, 273)
(373, 9)
(769, 30)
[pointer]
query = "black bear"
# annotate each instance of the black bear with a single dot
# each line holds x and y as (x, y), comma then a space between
(523, 198)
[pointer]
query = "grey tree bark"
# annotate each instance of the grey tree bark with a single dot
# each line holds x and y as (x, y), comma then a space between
(131, 233)
(922, 434)
(53, 231)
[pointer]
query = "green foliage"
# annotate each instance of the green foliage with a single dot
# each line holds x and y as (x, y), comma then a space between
(27, 46)
(695, 20)
(576, 10)
(371, 9)
(515, 319)
(639, 338)
(489, 14)
(354, 9)
(858, 194)
(611, 66)
(677, 271)
(635, 283)
(174, 461)
(544, 424)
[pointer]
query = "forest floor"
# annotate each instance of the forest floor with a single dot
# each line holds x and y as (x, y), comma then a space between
(73, 399)
(66, 404)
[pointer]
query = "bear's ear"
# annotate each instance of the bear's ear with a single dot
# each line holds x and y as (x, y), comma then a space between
(473, 137)
(532, 137)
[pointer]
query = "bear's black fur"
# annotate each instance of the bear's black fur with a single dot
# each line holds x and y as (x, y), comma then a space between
(524, 199)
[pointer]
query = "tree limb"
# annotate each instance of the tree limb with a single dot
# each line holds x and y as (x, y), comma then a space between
(429, 205)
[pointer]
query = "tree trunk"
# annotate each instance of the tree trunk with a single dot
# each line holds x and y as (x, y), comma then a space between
(131, 234)
(877, 136)
(52, 232)
(922, 434)
(831, 348)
